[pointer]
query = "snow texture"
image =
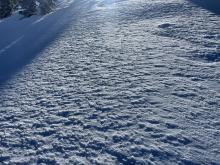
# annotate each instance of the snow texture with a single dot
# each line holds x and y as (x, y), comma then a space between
(111, 82)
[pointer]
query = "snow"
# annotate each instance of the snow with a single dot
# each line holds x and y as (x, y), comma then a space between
(111, 82)
(25, 37)
(63, 4)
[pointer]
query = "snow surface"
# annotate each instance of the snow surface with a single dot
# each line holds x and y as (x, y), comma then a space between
(111, 82)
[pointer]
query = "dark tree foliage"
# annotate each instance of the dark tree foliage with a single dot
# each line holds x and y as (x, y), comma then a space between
(29, 7)
(5, 8)
(46, 6)
(26, 7)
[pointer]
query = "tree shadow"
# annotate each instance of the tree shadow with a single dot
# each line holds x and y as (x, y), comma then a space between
(22, 40)
(211, 5)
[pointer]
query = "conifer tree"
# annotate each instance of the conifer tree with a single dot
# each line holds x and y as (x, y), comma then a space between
(29, 7)
(46, 6)
(5, 8)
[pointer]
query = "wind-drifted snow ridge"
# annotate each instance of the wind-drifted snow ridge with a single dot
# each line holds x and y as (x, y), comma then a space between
(126, 82)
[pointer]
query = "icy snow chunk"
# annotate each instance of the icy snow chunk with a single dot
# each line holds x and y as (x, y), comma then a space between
(165, 25)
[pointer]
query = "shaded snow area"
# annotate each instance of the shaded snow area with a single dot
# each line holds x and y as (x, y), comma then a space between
(112, 82)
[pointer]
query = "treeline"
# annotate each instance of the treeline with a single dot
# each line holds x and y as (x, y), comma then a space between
(26, 7)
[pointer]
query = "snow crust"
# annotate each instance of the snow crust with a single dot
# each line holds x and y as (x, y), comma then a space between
(64, 3)
(112, 82)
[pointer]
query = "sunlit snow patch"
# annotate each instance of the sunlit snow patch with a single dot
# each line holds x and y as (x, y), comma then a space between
(64, 3)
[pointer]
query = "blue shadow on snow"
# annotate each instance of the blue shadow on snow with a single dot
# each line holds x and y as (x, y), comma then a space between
(211, 5)
(20, 44)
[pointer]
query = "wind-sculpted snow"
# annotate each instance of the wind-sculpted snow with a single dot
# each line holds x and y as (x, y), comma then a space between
(129, 82)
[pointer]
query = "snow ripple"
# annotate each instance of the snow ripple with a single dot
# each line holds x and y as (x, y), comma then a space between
(111, 90)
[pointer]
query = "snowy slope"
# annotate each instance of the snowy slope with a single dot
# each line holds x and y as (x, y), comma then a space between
(26, 37)
(121, 82)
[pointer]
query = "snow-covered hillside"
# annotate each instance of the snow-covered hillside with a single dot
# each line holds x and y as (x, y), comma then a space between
(111, 82)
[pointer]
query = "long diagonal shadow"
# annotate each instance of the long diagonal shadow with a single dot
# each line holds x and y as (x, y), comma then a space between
(28, 44)
(211, 5)
(21, 46)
